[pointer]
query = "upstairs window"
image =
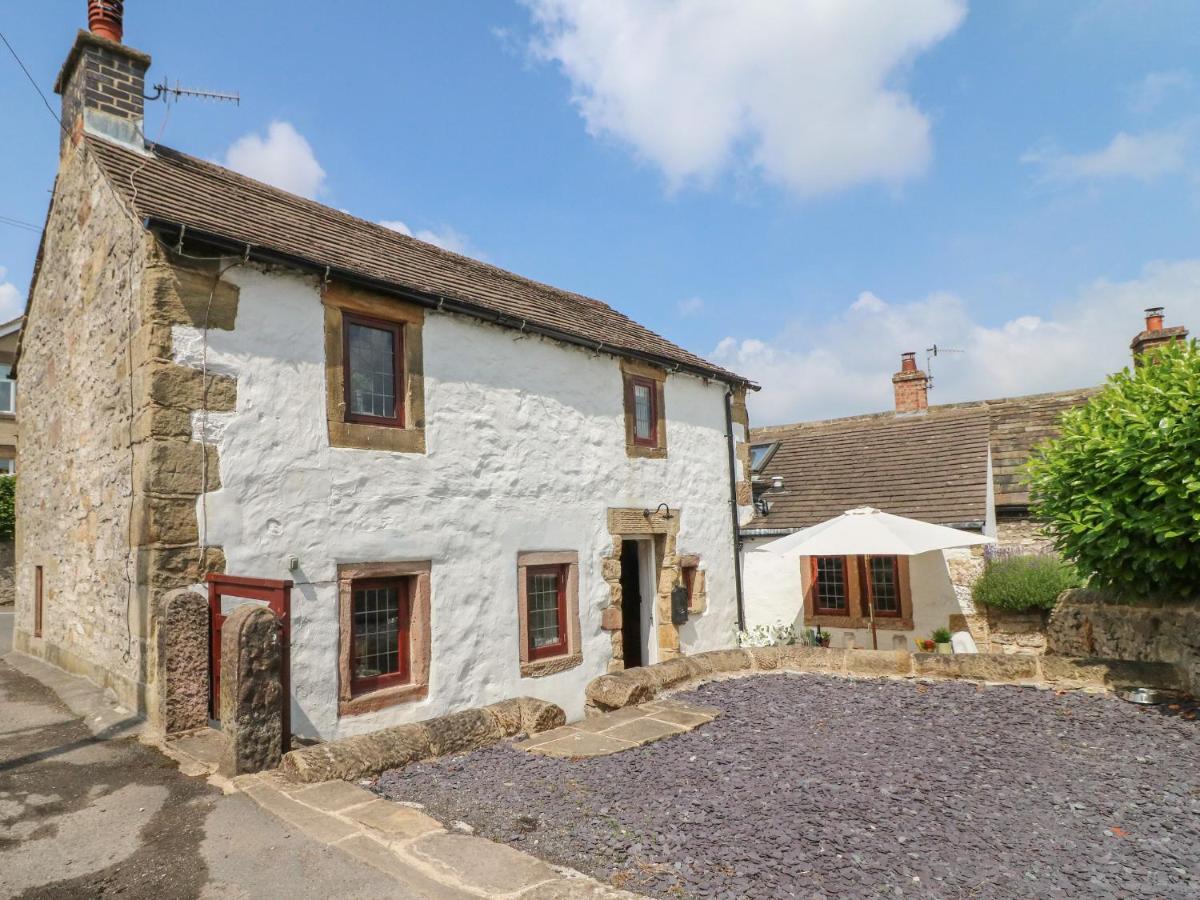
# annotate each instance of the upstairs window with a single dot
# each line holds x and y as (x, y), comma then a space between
(645, 412)
(645, 422)
(830, 584)
(373, 359)
(760, 455)
(8, 391)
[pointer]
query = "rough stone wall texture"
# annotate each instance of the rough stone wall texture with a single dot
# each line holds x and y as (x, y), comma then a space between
(76, 490)
(1089, 623)
(8, 594)
(251, 690)
(110, 472)
(181, 642)
(1005, 632)
(1022, 536)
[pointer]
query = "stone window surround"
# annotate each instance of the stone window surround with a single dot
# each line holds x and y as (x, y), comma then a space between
(408, 438)
(417, 687)
(550, 665)
(632, 370)
(698, 595)
(857, 615)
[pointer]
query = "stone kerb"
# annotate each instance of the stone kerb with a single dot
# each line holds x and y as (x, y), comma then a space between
(639, 685)
(181, 661)
(251, 692)
(390, 748)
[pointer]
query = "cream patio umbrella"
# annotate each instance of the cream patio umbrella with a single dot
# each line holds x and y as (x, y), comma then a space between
(868, 532)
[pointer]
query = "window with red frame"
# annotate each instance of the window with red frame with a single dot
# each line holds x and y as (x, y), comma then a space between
(379, 619)
(373, 359)
(830, 585)
(884, 584)
(643, 399)
(546, 610)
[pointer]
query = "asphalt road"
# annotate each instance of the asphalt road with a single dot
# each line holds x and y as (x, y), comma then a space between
(81, 816)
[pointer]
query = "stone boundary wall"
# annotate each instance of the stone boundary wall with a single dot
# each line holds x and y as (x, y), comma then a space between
(8, 587)
(390, 748)
(1089, 622)
(634, 686)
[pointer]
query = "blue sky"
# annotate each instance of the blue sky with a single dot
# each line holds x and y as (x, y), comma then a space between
(800, 191)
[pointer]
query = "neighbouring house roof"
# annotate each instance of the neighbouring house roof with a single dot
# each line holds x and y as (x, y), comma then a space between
(169, 188)
(12, 326)
(930, 466)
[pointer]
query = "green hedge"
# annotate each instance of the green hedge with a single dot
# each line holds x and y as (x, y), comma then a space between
(1024, 582)
(1119, 490)
(8, 487)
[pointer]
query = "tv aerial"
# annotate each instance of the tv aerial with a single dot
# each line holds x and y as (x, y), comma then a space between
(162, 91)
(930, 354)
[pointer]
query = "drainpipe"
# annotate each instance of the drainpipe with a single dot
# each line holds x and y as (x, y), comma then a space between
(733, 512)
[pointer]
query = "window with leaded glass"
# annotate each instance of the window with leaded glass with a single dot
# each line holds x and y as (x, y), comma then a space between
(885, 585)
(374, 370)
(829, 584)
(546, 608)
(379, 621)
(645, 411)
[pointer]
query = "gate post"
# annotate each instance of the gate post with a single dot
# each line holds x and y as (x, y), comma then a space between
(181, 661)
(251, 693)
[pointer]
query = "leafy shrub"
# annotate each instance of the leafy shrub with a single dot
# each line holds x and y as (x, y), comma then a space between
(8, 517)
(1024, 582)
(1119, 489)
(941, 635)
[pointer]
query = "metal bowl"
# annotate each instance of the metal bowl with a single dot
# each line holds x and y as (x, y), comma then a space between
(1144, 696)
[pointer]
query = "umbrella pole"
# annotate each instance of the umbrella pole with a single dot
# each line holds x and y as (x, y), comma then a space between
(874, 633)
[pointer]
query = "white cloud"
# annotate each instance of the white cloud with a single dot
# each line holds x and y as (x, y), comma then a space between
(447, 238)
(1148, 94)
(283, 158)
(12, 301)
(690, 306)
(804, 91)
(843, 366)
(1144, 156)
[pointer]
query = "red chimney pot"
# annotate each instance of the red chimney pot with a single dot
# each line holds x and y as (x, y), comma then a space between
(106, 19)
(908, 362)
(1154, 318)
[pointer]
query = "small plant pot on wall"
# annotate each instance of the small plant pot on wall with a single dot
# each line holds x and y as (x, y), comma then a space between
(941, 637)
(945, 647)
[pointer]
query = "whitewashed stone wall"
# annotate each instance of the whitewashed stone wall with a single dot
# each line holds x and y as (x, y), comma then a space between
(526, 451)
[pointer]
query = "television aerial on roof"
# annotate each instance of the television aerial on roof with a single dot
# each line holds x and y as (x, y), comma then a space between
(162, 90)
(930, 353)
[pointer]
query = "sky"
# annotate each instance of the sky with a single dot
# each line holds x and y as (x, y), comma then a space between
(799, 190)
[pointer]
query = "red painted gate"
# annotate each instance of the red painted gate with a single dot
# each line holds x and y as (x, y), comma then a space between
(277, 596)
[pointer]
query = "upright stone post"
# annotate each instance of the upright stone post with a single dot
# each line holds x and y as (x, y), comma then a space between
(251, 693)
(181, 673)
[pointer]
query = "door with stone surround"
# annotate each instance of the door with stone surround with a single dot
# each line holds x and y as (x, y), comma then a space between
(632, 638)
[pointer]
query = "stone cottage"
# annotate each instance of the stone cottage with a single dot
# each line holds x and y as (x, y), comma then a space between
(954, 464)
(472, 486)
(10, 334)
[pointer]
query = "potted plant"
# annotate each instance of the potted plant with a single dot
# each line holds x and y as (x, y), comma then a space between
(822, 637)
(941, 637)
(925, 645)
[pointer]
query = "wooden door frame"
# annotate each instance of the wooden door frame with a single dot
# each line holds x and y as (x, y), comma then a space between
(277, 595)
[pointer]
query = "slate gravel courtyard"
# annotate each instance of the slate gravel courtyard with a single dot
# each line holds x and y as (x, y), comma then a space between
(811, 785)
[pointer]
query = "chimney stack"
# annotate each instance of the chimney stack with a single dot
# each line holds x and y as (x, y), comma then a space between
(911, 386)
(103, 82)
(1155, 335)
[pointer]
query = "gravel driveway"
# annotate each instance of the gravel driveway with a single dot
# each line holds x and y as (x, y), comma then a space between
(819, 786)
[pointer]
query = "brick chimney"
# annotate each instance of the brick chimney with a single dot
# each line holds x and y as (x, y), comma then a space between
(1155, 335)
(911, 386)
(102, 83)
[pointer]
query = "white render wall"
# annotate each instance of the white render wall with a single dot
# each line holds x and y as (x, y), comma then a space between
(525, 451)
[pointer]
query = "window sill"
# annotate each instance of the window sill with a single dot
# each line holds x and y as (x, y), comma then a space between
(641, 451)
(382, 699)
(365, 436)
(539, 668)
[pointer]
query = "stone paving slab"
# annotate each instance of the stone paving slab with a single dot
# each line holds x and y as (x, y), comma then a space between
(410, 846)
(621, 729)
